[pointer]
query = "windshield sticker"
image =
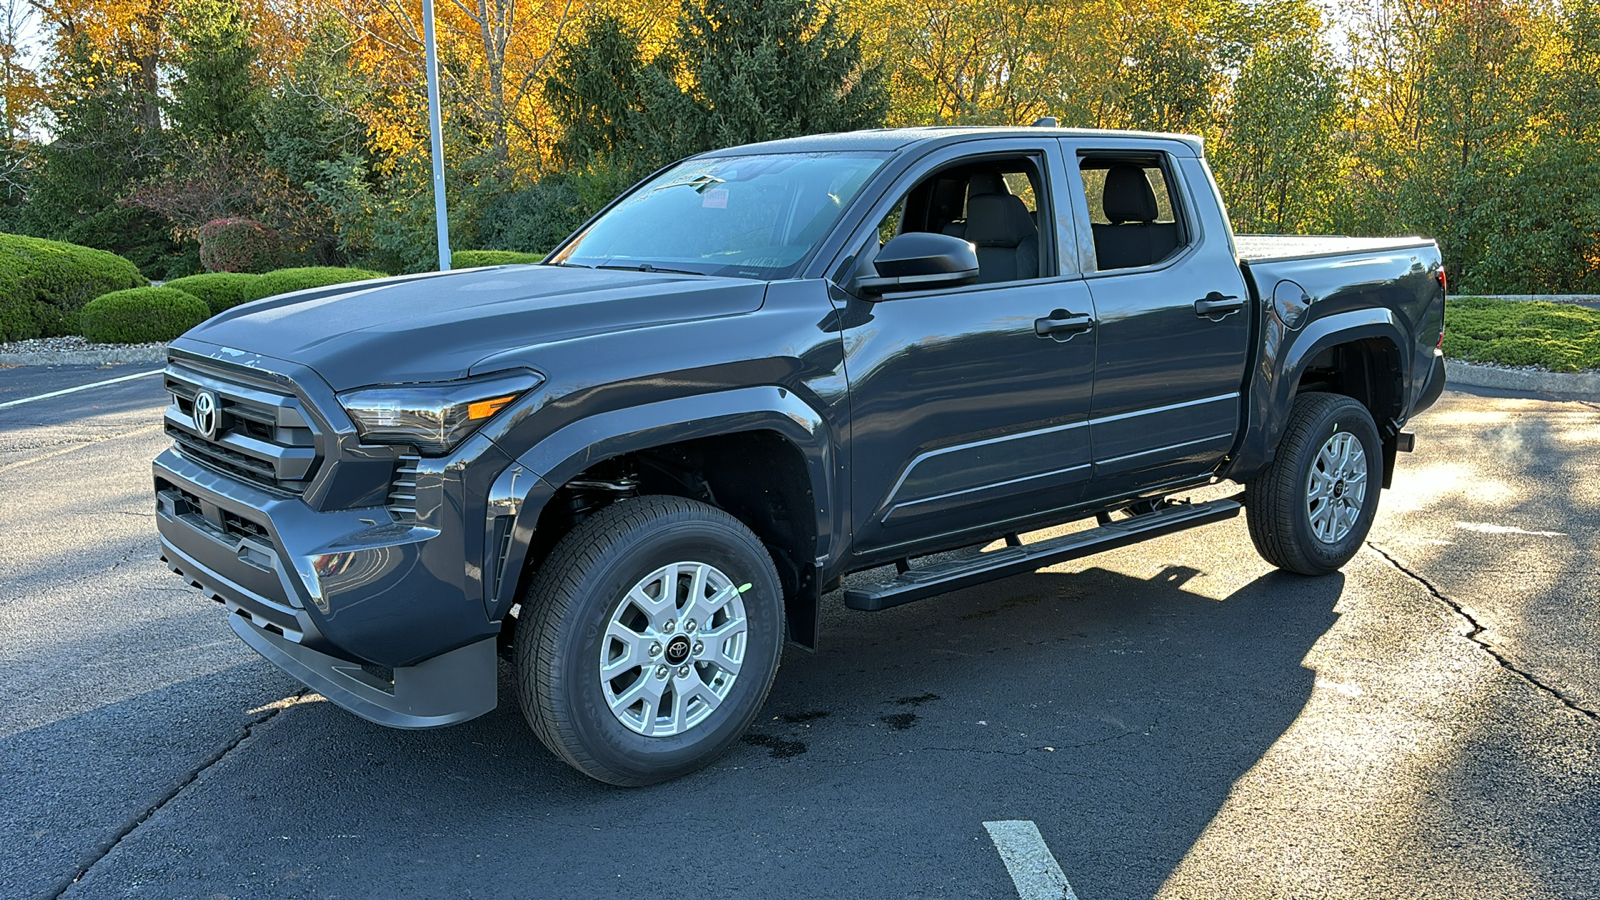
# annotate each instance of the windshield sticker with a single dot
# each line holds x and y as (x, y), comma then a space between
(716, 198)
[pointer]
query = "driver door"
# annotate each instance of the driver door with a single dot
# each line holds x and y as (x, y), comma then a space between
(968, 417)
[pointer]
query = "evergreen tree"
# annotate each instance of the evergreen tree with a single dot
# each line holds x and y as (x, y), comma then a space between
(214, 97)
(101, 149)
(735, 72)
(759, 70)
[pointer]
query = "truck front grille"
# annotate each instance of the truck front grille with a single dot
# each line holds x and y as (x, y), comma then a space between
(262, 432)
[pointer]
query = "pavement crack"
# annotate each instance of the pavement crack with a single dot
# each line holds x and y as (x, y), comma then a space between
(103, 849)
(1475, 635)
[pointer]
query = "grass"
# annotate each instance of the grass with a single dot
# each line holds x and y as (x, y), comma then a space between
(1559, 337)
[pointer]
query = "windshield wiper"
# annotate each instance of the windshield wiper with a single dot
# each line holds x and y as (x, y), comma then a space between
(568, 265)
(699, 183)
(646, 267)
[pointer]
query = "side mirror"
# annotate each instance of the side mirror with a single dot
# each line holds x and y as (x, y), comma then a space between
(920, 260)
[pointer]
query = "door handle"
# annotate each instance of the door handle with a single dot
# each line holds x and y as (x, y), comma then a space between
(1061, 322)
(1214, 304)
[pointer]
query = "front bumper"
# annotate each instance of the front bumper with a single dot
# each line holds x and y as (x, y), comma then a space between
(369, 612)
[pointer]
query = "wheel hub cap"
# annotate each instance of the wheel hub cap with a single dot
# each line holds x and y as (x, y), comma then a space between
(678, 650)
(673, 648)
(1336, 487)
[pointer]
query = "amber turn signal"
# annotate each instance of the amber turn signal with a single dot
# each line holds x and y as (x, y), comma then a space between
(485, 409)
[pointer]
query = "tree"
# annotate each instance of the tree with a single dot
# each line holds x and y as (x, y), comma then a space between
(214, 96)
(101, 148)
(735, 72)
(1279, 155)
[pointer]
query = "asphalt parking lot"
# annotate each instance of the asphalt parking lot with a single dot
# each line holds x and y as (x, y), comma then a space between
(1175, 718)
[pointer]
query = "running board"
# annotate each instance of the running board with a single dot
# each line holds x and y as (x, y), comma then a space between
(941, 578)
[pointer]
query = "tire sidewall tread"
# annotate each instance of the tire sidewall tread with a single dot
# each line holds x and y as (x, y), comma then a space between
(1277, 517)
(565, 612)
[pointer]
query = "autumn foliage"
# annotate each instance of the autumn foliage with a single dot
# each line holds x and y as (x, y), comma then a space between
(133, 123)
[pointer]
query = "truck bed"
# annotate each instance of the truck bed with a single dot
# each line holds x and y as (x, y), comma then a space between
(1260, 247)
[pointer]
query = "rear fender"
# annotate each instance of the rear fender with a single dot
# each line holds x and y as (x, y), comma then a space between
(1277, 376)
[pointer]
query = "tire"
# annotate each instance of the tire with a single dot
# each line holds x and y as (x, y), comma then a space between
(603, 590)
(1315, 535)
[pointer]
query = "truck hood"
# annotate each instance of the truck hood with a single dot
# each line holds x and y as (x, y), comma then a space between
(434, 327)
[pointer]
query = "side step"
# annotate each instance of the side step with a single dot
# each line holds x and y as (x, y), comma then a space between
(941, 578)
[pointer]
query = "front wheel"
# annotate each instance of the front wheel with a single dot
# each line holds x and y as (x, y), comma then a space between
(1310, 509)
(649, 639)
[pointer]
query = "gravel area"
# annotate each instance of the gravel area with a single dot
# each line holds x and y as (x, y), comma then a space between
(77, 351)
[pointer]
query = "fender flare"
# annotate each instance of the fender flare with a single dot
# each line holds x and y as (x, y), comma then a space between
(520, 493)
(1271, 391)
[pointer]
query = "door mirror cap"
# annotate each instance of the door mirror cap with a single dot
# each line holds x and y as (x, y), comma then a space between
(921, 260)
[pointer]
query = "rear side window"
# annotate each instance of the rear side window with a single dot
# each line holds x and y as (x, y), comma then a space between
(1132, 211)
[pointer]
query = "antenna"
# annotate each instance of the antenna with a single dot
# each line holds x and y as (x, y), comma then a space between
(1045, 122)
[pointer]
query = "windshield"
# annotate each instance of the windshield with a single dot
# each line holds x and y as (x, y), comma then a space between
(747, 216)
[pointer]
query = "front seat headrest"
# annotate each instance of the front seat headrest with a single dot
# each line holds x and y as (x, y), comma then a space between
(986, 183)
(998, 220)
(1128, 196)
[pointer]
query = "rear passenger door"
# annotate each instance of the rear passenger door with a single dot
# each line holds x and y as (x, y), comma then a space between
(1173, 327)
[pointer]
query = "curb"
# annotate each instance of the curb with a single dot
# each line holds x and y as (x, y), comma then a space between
(1469, 375)
(143, 353)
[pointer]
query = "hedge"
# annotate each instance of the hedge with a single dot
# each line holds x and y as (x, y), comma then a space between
(141, 315)
(45, 284)
(471, 259)
(285, 280)
(1560, 337)
(220, 290)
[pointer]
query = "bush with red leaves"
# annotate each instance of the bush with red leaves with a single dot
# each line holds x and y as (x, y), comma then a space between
(238, 245)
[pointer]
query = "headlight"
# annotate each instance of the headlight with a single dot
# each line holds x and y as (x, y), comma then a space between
(433, 417)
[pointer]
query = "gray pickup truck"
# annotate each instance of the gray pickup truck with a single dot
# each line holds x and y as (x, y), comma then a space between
(635, 469)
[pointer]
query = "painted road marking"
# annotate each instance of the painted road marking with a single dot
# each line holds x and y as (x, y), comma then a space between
(1033, 869)
(82, 387)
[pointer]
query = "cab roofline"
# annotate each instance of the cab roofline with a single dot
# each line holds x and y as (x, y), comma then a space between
(888, 140)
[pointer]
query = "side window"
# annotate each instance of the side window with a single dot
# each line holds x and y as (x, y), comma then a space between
(991, 203)
(1132, 212)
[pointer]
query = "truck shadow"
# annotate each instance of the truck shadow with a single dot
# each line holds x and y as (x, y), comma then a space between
(1116, 712)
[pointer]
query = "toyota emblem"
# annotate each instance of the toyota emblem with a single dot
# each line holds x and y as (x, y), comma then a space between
(206, 414)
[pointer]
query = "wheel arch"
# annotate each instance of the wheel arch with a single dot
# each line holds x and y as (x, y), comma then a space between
(760, 453)
(1356, 353)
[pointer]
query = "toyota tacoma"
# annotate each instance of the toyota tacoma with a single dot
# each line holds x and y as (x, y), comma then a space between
(636, 468)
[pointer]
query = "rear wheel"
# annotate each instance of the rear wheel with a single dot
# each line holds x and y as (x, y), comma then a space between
(649, 639)
(1311, 509)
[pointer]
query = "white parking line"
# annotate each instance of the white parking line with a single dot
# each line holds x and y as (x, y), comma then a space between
(1033, 869)
(82, 387)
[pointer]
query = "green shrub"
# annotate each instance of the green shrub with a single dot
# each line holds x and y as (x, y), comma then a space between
(539, 216)
(285, 280)
(1561, 337)
(470, 259)
(142, 315)
(220, 290)
(44, 284)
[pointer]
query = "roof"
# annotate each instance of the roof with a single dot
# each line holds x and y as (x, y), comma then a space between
(891, 139)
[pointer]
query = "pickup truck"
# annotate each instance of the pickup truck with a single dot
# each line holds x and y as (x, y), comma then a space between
(635, 469)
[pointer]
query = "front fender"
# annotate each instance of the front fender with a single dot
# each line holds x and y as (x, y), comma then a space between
(522, 490)
(1280, 367)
